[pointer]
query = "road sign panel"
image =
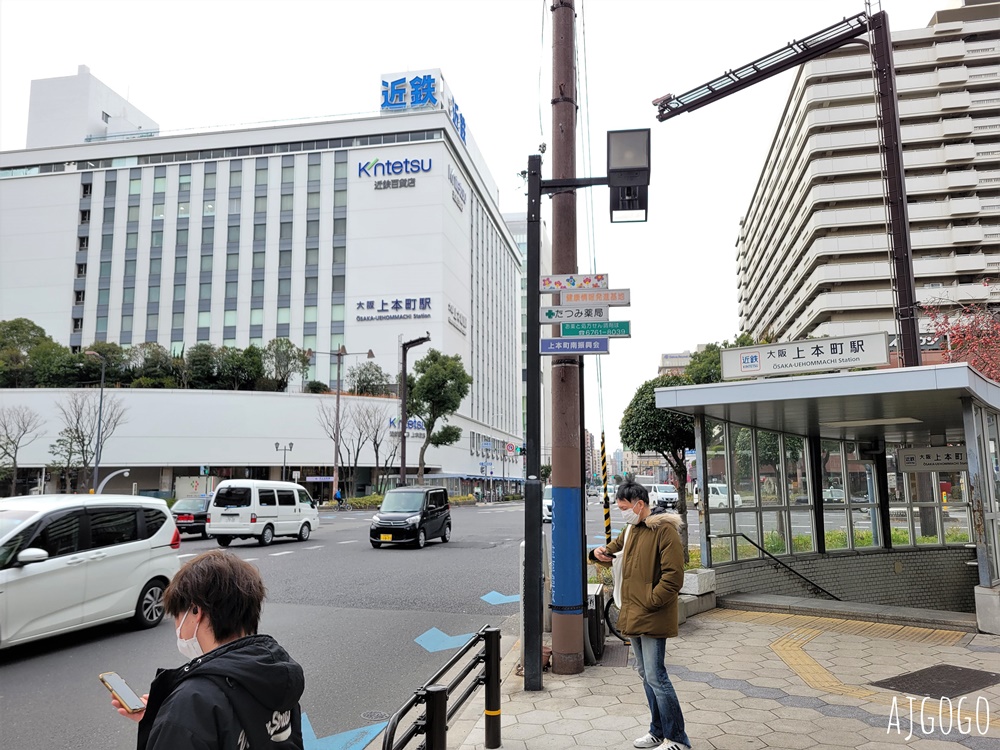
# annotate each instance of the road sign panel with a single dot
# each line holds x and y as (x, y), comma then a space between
(614, 329)
(553, 283)
(487, 445)
(510, 449)
(575, 345)
(612, 297)
(574, 314)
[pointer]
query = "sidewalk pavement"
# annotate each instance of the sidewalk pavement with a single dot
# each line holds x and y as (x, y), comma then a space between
(750, 680)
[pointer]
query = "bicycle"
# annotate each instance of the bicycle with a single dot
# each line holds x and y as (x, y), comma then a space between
(343, 506)
(611, 618)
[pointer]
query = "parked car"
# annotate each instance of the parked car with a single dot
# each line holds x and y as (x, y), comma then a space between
(412, 515)
(718, 496)
(72, 561)
(663, 495)
(191, 515)
(255, 508)
(547, 504)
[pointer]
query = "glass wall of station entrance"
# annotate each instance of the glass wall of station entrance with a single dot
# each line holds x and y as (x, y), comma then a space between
(760, 492)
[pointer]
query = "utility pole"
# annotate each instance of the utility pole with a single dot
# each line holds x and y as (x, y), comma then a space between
(567, 495)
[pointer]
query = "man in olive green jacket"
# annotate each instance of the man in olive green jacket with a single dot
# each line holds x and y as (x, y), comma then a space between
(652, 576)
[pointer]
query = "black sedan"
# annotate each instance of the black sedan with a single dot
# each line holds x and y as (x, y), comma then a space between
(191, 514)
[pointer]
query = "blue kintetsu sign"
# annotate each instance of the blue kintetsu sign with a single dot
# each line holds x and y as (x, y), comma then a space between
(575, 345)
(421, 91)
(750, 362)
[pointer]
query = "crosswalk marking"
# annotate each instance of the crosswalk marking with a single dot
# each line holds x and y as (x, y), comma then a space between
(318, 546)
(349, 541)
(279, 554)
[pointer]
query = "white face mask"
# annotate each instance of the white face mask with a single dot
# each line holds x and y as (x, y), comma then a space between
(630, 516)
(189, 648)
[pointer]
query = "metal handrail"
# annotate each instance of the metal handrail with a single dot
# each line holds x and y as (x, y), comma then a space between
(786, 567)
(433, 722)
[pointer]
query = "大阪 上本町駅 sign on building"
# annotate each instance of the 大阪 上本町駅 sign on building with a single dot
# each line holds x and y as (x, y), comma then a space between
(810, 355)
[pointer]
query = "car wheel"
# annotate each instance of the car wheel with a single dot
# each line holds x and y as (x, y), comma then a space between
(149, 608)
(304, 532)
(224, 541)
(266, 536)
(375, 544)
(205, 535)
(447, 533)
(421, 539)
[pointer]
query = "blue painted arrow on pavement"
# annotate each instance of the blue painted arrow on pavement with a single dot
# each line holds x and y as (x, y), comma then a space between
(353, 739)
(495, 597)
(435, 640)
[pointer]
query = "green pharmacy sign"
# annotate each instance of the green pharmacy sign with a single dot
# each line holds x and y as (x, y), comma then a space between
(616, 329)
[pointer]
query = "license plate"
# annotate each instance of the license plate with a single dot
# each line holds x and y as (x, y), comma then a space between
(230, 519)
(385, 537)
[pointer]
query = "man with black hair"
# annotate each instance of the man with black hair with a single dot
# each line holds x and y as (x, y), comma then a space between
(239, 690)
(652, 576)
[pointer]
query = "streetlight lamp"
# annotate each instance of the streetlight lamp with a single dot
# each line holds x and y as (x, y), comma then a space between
(628, 177)
(340, 354)
(407, 345)
(100, 419)
(284, 452)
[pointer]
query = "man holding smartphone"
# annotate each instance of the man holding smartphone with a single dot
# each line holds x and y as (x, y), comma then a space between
(652, 576)
(239, 689)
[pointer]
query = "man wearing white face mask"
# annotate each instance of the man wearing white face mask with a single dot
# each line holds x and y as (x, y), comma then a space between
(652, 576)
(238, 689)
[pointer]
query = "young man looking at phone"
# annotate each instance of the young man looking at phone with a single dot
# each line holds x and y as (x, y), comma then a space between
(652, 576)
(239, 689)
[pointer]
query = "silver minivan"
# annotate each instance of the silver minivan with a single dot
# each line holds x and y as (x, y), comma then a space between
(257, 508)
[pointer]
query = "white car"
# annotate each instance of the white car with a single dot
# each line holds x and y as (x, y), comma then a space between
(261, 510)
(547, 504)
(71, 561)
(718, 497)
(663, 495)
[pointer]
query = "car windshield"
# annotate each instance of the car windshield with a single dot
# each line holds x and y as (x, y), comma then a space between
(11, 519)
(190, 505)
(403, 501)
(233, 497)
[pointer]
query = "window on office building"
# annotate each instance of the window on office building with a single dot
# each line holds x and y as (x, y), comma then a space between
(339, 254)
(152, 321)
(85, 216)
(258, 260)
(260, 204)
(204, 291)
(312, 228)
(287, 202)
(339, 283)
(312, 256)
(135, 186)
(233, 234)
(204, 319)
(180, 265)
(154, 266)
(259, 232)
(207, 234)
(128, 295)
(126, 323)
(154, 294)
(131, 240)
(284, 315)
(288, 174)
(182, 237)
(336, 341)
(339, 198)
(309, 314)
(231, 288)
(313, 175)
(257, 317)
(257, 288)
(235, 179)
(285, 230)
(229, 318)
(159, 185)
(130, 268)
(234, 205)
(109, 215)
(285, 259)
(261, 176)
(183, 209)
(102, 324)
(232, 262)
(107, 241)
(206, 262)
(133, 213)
(81, 270)
(103, 296)
(208, 208)
(156, 239)
(179, 292)
(177, 321)
(312, 285)
(337, 313)
(340, 226)
(340, 170)
(159, 211)
(312, 200)
(284, 287)
(184, 183)
(210, 181)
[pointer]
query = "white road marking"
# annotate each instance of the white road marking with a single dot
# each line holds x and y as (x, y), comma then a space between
(279, 554)
(249, 559)
(318, 546)
(349, 541)
(190, 554)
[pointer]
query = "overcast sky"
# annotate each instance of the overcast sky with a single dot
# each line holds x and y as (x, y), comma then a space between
(194, 64)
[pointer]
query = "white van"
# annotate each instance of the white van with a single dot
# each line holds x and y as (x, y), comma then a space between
(246, 508)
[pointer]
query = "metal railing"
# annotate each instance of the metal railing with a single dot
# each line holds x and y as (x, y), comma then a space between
(434, 721)
(786, 567)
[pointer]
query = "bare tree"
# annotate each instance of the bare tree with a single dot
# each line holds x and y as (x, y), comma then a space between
(65, 462)
(374, 419)
(79, 413)
(353, 436)
(19, 427)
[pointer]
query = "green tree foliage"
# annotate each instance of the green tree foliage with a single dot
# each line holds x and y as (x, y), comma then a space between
(53, 365)
(706, 365)
(202, 364)
(152, 366)
(434, 393)
(646, 429)
(282, 360)
(21, 334)
(240, 369)
(317, 386)
(545, 472)
(368, 379)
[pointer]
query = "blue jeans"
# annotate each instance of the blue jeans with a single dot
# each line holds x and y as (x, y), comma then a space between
(667, 721)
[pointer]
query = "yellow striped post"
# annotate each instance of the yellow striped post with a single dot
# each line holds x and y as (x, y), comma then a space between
(607, 503)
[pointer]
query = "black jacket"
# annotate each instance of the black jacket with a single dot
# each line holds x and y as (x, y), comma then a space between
(241, 696)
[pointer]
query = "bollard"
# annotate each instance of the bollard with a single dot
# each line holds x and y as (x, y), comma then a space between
(437, 717)
(492, 712)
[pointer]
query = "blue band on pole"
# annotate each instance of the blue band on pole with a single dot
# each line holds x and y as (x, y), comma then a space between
(567, 550)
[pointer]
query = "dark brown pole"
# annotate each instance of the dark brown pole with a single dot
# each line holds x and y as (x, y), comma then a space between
(567, 612)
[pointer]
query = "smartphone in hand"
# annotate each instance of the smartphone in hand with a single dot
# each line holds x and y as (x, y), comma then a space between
(125, 695)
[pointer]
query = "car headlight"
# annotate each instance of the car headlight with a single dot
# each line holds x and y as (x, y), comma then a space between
(414, 520)
(375, 518)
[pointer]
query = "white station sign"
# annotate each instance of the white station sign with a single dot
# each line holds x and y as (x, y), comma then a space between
(948, 458)
(810, 355)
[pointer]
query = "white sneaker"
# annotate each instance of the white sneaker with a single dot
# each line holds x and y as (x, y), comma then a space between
(675, 746)
(647, 740)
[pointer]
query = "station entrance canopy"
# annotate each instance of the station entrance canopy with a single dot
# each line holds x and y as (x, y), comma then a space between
(804, 468)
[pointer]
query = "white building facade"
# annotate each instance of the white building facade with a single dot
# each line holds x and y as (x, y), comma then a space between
(364, 233)
(813, 257)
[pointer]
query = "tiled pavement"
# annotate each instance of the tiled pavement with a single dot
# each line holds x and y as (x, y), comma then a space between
(750, 680)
